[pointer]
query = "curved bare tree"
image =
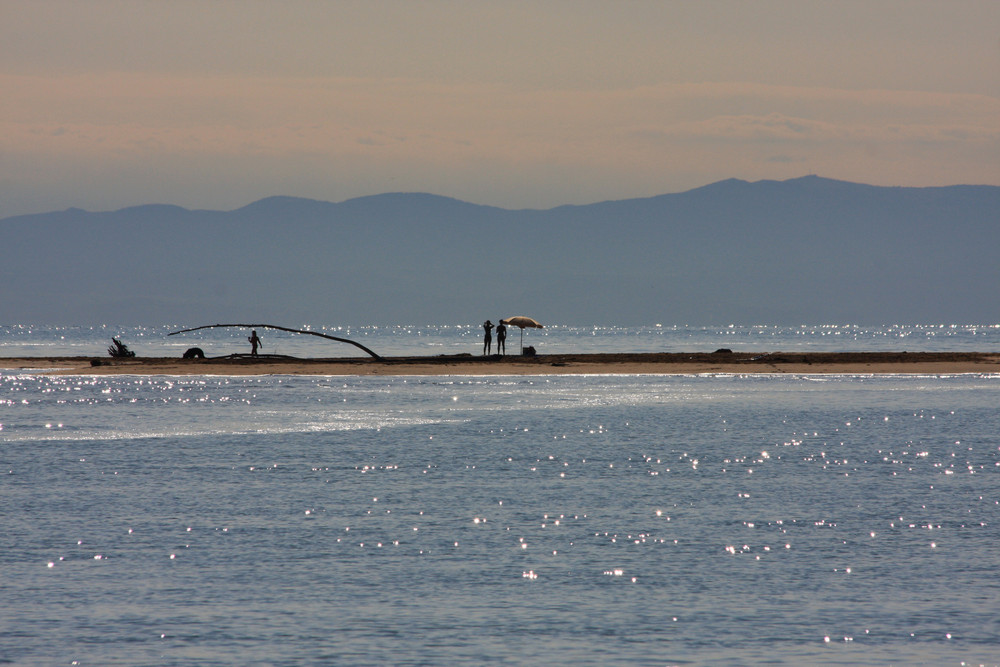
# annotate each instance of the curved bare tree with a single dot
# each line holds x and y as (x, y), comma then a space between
(274, 326)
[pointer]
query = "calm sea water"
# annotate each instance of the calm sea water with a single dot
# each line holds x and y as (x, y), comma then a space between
(632, 520)
(154, 341)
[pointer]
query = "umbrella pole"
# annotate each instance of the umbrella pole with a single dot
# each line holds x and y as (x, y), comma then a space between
(522, 341)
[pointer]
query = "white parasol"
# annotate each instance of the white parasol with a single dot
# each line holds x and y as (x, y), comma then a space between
(522, 323)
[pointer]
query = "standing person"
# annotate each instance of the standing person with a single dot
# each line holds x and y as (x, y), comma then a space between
(501, 338)
(254, 342)
(488, 340)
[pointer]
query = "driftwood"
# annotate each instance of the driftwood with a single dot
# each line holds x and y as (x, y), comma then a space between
(273, 326)
(119, 349)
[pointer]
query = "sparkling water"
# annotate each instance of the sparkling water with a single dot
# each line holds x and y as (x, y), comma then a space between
(155, 341)
(633, 520)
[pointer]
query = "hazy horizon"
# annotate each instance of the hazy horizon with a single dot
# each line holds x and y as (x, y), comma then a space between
(278, 197)
(512, 104)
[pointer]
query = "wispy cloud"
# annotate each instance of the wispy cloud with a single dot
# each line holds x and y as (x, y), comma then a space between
(650, 136)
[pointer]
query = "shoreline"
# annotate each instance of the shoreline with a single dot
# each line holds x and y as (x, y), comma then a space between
(672, 363)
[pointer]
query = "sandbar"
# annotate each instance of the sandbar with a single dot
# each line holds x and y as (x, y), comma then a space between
(679, 363)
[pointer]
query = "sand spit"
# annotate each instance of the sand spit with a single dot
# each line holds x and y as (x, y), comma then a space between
(546, 364)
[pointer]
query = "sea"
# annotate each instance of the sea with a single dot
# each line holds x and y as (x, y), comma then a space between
(702, 519)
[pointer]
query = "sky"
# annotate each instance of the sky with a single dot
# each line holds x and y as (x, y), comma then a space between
(213, 105)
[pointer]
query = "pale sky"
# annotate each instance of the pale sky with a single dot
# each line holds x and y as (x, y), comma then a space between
(213, 104)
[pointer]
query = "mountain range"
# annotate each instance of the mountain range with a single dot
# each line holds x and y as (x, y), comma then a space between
(803, 251)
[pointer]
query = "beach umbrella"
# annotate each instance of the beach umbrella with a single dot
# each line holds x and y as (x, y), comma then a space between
(522, 323)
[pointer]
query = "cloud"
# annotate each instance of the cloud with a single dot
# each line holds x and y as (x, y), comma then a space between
(292, 114)
(784, 159)
(777, 127)
(535, 147)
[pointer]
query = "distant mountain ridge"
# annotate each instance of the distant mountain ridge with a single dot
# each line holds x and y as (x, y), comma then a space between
(817, 184)
(805, 250)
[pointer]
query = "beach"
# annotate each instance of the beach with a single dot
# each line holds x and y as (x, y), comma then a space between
(676, 363)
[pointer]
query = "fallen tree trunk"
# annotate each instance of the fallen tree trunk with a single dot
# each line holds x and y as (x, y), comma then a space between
(274, 326)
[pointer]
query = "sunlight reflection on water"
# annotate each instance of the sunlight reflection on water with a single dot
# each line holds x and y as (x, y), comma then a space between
(408, 340)
(563, 520)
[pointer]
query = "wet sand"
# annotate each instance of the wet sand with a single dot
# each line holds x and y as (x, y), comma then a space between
(934, 363)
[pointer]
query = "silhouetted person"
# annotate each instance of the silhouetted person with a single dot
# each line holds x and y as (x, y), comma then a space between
(501, 338)
(254, 343)
(488, 340)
